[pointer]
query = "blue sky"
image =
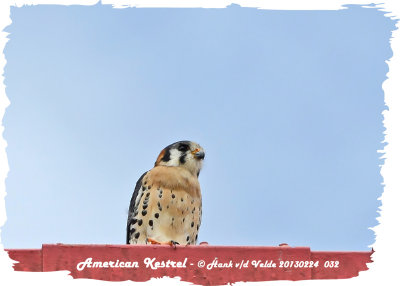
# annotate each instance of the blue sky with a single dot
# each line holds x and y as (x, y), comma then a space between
(287, 105)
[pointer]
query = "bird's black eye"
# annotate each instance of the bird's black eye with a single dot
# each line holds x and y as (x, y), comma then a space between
(183, 147)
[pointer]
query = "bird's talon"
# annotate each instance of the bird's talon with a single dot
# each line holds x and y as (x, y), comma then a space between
(173, 243)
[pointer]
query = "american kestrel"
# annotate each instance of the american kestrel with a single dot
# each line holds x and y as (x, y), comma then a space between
(166, 205)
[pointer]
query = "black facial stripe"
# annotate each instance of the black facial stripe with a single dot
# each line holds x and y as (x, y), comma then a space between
(182, 158)
(167, 156)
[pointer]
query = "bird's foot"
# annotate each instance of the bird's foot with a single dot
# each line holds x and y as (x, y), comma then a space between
(170, 243)
(153, 241)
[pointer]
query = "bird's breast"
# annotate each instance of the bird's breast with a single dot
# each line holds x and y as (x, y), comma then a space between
(174, 178)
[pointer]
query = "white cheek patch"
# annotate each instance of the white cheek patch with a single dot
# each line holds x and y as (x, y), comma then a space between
(174, 158)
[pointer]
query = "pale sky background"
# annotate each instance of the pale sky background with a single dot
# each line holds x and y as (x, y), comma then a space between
(287, 105)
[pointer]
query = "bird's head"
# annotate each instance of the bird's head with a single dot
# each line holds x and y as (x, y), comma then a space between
(186, 154)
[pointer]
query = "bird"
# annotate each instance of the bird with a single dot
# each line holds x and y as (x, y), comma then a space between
(166, 205)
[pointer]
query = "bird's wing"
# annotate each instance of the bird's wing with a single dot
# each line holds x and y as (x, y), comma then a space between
(133, 206)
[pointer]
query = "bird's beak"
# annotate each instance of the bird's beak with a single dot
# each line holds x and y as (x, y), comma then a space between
(198, 154)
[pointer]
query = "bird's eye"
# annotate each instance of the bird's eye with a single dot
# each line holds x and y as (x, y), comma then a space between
(183, 148)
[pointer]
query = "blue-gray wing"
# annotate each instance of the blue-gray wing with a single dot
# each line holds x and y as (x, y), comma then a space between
(132, 208)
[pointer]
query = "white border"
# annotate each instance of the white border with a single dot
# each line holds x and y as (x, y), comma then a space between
(386, 265)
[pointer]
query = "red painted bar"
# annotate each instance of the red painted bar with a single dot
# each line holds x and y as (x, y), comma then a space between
(350, 264)
(29, 259)
(201, 264)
